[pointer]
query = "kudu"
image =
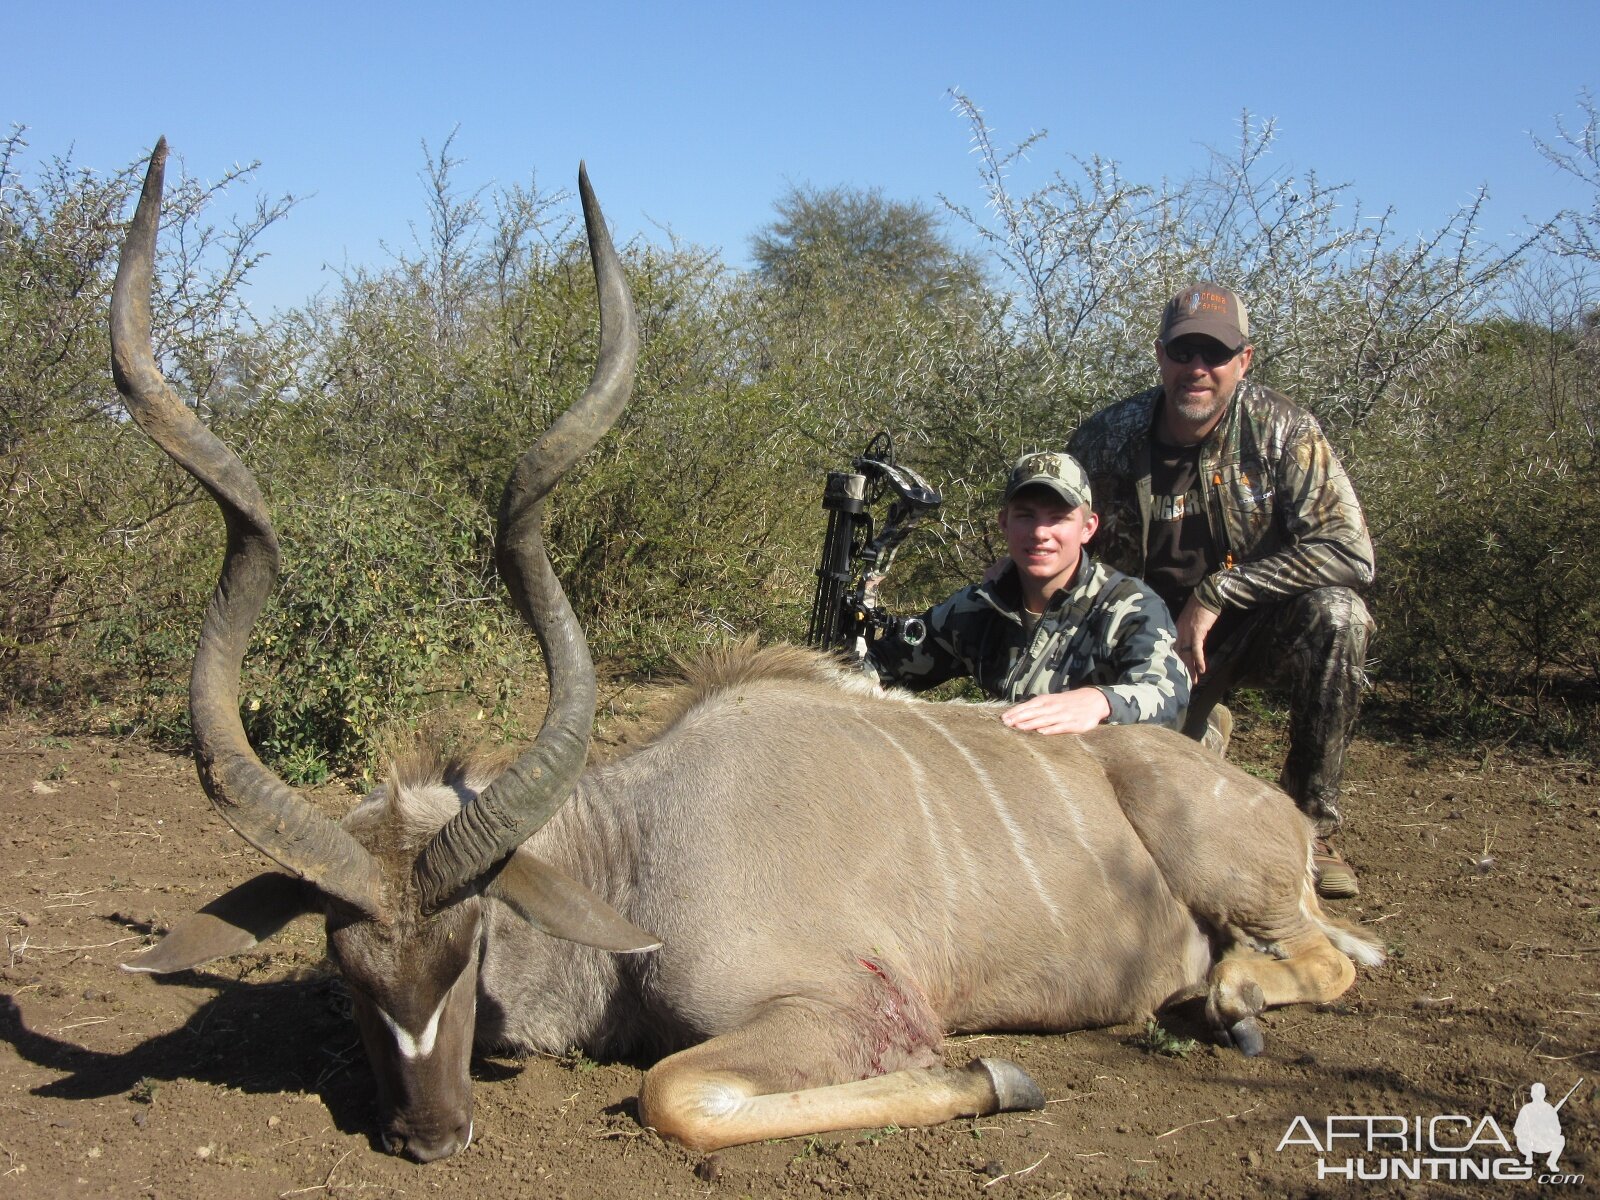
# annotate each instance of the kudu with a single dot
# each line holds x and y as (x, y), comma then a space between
(834, 877)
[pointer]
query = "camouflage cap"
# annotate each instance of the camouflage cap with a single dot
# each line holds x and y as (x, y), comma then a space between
(1207, 309)
(1054, 470)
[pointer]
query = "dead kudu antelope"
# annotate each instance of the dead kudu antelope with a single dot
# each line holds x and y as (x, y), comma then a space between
(834, 877)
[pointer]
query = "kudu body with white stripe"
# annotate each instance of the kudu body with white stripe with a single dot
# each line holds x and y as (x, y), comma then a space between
(833, 877)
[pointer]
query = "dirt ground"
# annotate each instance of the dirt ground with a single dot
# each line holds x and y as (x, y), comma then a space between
(246, 1080)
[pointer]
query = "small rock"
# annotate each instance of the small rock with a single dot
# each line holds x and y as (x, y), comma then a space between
(1123, 1129)
(204, 1151)
(142, 1118)
(26, 918)
(41, 788)
(274, 1121)
(1253, 1158)
(708, 1169)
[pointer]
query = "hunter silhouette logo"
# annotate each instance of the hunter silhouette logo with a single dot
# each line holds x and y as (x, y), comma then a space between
(1538, 1129)
(1194, 302)
(1450, 1146)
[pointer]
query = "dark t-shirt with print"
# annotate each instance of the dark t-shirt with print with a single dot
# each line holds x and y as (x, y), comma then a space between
(1180, 553)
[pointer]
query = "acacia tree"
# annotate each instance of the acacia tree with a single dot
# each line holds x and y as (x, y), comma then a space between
(839, 236)
(1576, 232)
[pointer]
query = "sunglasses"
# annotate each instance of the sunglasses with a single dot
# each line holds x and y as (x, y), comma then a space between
(1213, 354)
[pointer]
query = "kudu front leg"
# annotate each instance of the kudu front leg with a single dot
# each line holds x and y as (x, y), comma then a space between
(793, 1071)
(1311, 971)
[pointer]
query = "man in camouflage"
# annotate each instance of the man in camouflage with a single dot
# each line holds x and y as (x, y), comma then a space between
(1071, 641)
(1229, 501)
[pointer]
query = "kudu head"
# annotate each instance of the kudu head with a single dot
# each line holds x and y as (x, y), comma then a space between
(402, 879)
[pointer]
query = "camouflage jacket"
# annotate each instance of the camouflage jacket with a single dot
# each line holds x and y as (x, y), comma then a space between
(1104, 629)
(1283, 515)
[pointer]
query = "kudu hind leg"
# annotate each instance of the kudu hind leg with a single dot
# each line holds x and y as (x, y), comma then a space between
(791, 1072)
(1237, 855)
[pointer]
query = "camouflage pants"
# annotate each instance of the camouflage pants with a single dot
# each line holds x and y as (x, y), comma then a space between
(1314, 646)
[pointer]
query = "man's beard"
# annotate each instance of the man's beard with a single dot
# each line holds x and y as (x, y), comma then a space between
(1200, 410)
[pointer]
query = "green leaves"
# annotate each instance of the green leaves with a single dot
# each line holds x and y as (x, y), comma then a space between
(386, 599)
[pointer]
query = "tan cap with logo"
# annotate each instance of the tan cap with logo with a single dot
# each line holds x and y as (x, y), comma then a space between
(1048, 468)
(1207, 309)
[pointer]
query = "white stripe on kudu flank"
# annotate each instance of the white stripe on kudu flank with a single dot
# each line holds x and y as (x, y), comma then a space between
(930, 821)
(420, 1046)
(1018, 844)
(1063, 796)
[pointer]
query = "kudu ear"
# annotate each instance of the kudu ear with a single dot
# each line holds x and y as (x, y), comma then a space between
(231, 924)
(564, 908)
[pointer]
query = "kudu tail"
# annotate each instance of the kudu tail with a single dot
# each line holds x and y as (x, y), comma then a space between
(1350, 938)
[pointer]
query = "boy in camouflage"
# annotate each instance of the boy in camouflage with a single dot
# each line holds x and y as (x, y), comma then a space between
(1074, 642)
(1227, 498)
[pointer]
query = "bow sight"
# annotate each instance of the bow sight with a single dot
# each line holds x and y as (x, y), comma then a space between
(845, 614)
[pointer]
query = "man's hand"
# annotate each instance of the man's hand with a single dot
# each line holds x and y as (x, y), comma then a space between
(1194, 623)
(1076, 711)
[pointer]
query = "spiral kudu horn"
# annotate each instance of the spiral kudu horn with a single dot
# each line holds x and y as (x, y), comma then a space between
(264, 810)
(529, 792)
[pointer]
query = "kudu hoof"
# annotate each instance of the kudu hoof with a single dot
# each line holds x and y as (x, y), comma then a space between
(1231, 1012)
(1246, 1037)
(1014, 1088)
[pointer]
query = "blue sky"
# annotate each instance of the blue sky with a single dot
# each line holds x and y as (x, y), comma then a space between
(694, 117)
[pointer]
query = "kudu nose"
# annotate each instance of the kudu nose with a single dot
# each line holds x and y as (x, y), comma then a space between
(422, 1148)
